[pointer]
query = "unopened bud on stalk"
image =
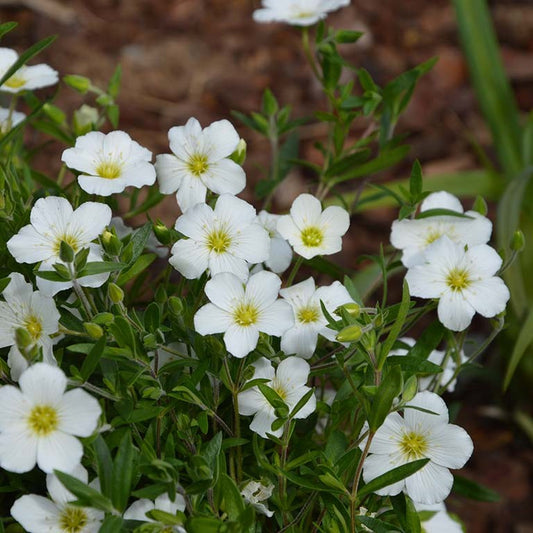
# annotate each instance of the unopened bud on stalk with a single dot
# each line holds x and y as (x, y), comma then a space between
(23, 338)
(66, 253)
(239, 155)
(410, 389)
(116, 294)
(518, 241)
(162, 233)
(78, 83)
(176, 305)
(112, 244)
(352, 309)
(93, 330)
(350, 333)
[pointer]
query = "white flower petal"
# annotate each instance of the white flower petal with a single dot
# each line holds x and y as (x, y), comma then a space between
(170, 173)
(137, 510)
(35, 513)
(300, 340)
(30, 246)
(262, 424)
(293, 372)
(211, 319)
(43, 384)
(335, 219)
(220, 139)
(228, 263)
(450, 446)
(376, 465)
(484, 259)
(386, 439)
(79, 413)
(441, 200)
(252, 243)
(429, 401)
(251, 401)
(275, 319)
(89, 221)
(488, 296)
(18, 451)
(305, 211)
(454, 311)
(189, 259)
(280, 255)
(196, 222)
(58, 451)
(225, 176)
(191, 192)
(225, 290)
(240, 341)
(431, 484)
(263, 288)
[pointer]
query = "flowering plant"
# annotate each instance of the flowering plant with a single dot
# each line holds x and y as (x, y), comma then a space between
(224, 373)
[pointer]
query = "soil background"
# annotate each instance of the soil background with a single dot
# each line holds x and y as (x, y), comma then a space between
(203, 58)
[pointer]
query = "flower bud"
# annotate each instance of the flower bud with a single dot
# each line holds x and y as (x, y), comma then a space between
(352, 309)
(518, 241)
(116, 294)
(84, 119)
(150, 341)
(78, 83)
(480, 206)
(104, 318)
(112, 244)
(66, 253)
(350, 333)
(162, 233)
(410, 389)
(93, 330)
(176, 305)
(239, 155)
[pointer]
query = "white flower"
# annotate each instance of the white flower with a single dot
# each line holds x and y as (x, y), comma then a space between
(7, 123)
(419, 435)
(440, 522)
(241, 311)
(200, 161)
(25, 78)
(37, 514)
(109, 163)
(289, 381)
(297, 12)
(39, 422)
(280, 255)
(53, 220)
(413, 236)
(255, 493)
(152, 244)
(464, 281)
(225, 239)
(309, 321)
(437, 357)
(32, 311)
(137, 510)
(311, 231)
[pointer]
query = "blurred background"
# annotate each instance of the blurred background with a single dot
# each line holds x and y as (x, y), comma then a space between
(204, 58)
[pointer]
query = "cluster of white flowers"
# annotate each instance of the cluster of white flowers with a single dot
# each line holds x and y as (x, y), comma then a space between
(297, 12)
(448, 259)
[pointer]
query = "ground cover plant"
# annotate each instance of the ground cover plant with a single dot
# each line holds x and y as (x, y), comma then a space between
(205, 377)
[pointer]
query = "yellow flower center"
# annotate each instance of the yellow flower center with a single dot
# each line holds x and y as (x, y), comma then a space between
(278, 387)
(43, 420)
(458, 279)
(432, 236)
(15, 82)
(69, 239)
(308, 314)
(198, 164)
(109, 170)
(312, 236)
(33, 326)
(413, 445)
(72, 519)
(245, 314)
(218, 241)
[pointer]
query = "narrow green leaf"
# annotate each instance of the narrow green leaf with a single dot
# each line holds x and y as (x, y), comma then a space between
(441, 212)
(87, 496)
(104, 465)
(389, 389)
(523, 342)
(112, 524)
(142, 263)
(93, 357)
(470, 489)
(232, 503)
(6, 27)
(415, 181)
(122, 473)
(99, 267)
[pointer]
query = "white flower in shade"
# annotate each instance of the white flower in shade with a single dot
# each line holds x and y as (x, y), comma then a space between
(437, 357)
(200, 161)
(224, 239)
(241, 311)
(311, 231)
(31, 310)
(255, 493)
(25, 78)
(109, 162)
(280, 255)
(440, 521)
(297, 12)
(152, 244)
(39, 515)
(39, 422)
(309, 320)
(413, 236)
(52, 220)
(7, 122)
(464, 281)
(419, 435)
(289, 381)
(137, 510)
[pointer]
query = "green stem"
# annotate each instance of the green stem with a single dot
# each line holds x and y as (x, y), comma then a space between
(309, 53)
(294, 271)
(357, 478)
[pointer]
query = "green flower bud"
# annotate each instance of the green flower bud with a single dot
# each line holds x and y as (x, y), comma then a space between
(518, 241)
(410, 389)
(162, 233)
(150, 341)
(116, 294)
(480, 206)
(112, 244)
(104, 318)
(93, 330)
(239, 155)
(66, 253)
(352, 309)
(23, 338)
(78, 83)
(84, 119)
(350, 333)
(53, 112)
(175, 305)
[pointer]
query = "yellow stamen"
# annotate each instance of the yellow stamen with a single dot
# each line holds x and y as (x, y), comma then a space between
(312, 236)
(15, 82)
(33, 326)
(245, 314)
(69, 239)
(73, 519)
(413, 445)
(43, 420)
(109, 170)
(432, 236)
(278, 387)
(198, 164)
(458, 279)
(308, 314)
(218, 241)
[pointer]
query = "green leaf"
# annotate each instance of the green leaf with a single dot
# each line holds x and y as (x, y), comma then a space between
(470, 489)
(389, 389)
(93, 357)
(441, 212)
(99, 267)
(6, 27)
(104, 465)
(414, 364)
(406, 513)
(122, 479)
(87, 496)
(212, 451)
(269, 105)
(113, 86)
(139, 240)
(142, 263)
(112, 524)
(26, 56)
(375, 525)
(273, 398)
(202, 525)
(49, 275)
(231, 500)
(415, 180)
(392, 476)
(302, 402)
(523, 342)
